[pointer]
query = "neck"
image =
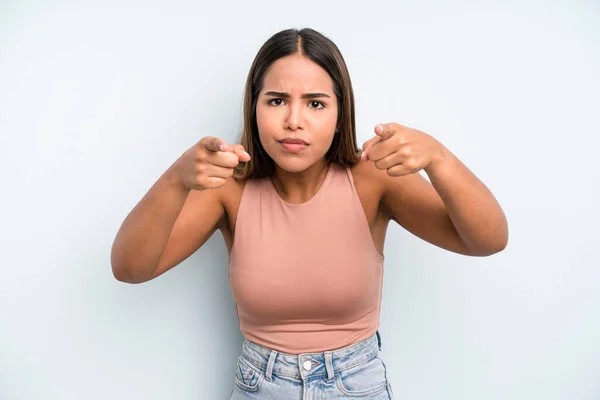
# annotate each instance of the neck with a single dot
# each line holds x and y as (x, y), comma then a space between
(299, 187)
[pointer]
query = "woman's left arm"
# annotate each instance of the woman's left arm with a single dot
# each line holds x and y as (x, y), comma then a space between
(456, 211)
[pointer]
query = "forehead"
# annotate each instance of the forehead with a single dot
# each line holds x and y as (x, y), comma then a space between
(297, 73)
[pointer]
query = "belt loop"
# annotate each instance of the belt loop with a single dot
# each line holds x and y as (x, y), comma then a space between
(378, 340)
(272, 356)
(329, 365)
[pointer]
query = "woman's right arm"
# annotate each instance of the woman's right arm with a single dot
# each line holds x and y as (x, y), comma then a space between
(178, 215)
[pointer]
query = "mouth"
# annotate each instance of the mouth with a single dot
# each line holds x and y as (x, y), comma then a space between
(293, 141)
(293, 145)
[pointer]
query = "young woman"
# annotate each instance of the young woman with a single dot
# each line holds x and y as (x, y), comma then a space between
(304, 214)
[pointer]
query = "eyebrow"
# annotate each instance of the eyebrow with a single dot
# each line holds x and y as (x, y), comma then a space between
(304, 96)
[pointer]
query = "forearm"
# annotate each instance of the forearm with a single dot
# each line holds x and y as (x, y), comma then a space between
(473, 209)
(144, 233)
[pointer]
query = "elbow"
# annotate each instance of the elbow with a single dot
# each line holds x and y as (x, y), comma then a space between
(124, 275)
(121, 273)
(496, 242)
(497, 248)
(493, 247)
(502, 240)
(119, 270)
(485, 245)
(124, 272)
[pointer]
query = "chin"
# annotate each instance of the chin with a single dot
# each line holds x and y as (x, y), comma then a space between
(293, 164)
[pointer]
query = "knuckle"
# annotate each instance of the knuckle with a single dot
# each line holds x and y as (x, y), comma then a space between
(199, 153)
(209, 142)
(232, 159)
(410, 164)
(201, 168)
(205, 142)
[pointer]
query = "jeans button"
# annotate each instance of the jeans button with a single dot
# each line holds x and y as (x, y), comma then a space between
(307, 365)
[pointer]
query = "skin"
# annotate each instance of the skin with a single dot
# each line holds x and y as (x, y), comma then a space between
(297, 101)
(198, 195)
(455, 211)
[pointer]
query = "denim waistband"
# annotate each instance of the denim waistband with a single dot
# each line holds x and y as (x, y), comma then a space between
(301, 366)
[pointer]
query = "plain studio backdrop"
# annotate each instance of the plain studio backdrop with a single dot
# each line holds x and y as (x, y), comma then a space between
(98, 99)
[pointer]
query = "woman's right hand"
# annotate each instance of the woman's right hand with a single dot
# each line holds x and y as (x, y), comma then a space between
(208, 163)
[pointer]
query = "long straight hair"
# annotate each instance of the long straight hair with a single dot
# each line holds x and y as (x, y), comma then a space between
(323, 52)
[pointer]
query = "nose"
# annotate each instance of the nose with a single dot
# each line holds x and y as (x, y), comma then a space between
(294, 119)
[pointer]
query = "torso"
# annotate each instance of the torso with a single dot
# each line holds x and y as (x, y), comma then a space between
(369, 190)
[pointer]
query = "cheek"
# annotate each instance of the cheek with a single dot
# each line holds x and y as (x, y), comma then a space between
(325, 141)
(327, 127)
(266, 122)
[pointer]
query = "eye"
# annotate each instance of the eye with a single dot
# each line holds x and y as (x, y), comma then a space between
(275, 102)
(317, 105)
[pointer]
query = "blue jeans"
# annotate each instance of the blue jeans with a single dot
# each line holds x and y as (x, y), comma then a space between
(355, 371)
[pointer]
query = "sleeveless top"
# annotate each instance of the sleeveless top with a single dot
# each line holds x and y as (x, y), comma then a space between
(305, 277)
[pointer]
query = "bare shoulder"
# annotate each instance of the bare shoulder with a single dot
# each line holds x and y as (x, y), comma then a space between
(365, 173)
(370, 187)
(370, 183)
(231, 196)
(390, 189)
(233, 187)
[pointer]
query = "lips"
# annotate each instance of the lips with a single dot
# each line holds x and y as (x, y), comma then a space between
(293, 145)
(294, 141)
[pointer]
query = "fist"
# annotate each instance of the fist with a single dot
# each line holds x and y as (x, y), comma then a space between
(208, 163)
(401, 150)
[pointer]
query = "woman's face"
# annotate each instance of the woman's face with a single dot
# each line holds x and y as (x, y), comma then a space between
(296, 113)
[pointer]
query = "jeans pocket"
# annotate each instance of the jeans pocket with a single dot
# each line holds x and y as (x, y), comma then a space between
(247, 377)
(363, 380)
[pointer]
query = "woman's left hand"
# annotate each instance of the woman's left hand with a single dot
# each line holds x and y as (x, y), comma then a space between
(401, 150)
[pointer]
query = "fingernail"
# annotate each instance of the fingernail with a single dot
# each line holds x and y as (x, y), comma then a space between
(222, 147)
(246, 153)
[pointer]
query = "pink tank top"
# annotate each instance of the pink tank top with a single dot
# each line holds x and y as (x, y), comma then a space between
(305, 277)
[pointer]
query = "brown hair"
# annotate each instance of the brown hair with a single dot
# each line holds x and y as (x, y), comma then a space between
(323, 52)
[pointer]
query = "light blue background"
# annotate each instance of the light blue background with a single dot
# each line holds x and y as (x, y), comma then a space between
(98, 98)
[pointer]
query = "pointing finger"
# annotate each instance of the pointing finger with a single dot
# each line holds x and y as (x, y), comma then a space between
(239, 150)
(214, 144)
(367, 145)
(385, 131)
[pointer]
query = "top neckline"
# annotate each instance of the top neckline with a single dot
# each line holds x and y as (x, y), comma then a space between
(317, 194)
